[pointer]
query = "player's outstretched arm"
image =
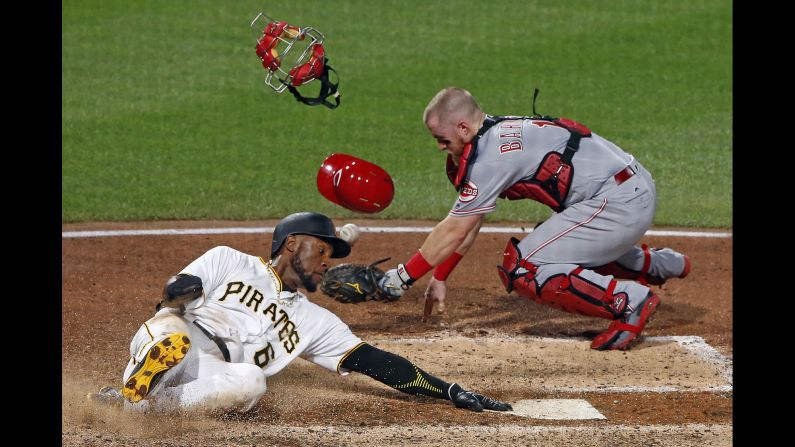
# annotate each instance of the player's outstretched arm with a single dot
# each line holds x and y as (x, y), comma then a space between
(402, 375)
(438, 249)
(437, 286)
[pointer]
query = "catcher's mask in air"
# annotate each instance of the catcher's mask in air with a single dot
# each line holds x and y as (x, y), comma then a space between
(294, 57)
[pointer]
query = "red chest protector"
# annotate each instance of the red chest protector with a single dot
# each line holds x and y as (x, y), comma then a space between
(551, 182)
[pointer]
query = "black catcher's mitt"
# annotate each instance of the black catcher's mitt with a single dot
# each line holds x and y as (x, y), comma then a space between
(354, 283)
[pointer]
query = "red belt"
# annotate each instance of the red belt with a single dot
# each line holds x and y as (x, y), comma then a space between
(623, 175)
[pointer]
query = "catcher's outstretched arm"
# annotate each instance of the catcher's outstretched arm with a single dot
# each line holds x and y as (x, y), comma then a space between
(449, 235)
(470, 239)
(402, 375)
(437, 290)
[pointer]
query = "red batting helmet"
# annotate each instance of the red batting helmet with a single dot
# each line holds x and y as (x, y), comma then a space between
(355, 184)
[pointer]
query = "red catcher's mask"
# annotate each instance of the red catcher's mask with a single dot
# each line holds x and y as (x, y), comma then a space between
(293, 57)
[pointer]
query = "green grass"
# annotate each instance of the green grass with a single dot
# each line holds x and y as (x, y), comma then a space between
(166, 115)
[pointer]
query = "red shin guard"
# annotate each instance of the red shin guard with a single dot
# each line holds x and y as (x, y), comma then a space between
(571, 293)
(621, 334)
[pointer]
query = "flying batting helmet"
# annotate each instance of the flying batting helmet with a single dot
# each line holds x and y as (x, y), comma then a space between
(313, 224)
(355, 184)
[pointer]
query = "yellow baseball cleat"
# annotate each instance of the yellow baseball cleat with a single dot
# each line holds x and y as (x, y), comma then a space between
(161, 357)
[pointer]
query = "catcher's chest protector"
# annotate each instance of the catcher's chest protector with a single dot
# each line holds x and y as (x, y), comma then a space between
(551, 182)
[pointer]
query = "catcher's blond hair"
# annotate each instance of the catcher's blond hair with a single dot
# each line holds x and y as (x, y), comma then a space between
(452, 104)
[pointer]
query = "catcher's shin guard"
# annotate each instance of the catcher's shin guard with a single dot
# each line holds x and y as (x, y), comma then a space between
(643, 276)
(624, 332)
(571, 293)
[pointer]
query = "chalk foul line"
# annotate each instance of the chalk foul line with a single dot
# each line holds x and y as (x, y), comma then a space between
(243, 230)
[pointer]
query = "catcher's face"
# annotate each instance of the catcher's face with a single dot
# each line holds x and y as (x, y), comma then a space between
(310, 261)
(451, 137)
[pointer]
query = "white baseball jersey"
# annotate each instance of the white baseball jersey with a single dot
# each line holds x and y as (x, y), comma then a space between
(263, 328)
(244, 304)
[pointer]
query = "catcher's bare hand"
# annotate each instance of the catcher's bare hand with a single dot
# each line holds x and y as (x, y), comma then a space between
(436, 292)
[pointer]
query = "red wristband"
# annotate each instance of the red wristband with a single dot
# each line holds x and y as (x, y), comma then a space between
(417, 266)
(444, 269)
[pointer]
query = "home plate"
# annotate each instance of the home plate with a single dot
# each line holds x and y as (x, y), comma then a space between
(555, 409)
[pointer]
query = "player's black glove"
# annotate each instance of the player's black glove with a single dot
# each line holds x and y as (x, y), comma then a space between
(478, 402)
(354, 283)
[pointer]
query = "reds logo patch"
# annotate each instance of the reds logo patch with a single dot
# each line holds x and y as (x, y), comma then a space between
(468, 192)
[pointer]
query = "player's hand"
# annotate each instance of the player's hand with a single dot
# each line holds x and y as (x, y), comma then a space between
(436, 291)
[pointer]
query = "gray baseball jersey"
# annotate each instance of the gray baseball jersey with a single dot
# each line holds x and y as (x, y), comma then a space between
(511, 151)
(604, 216)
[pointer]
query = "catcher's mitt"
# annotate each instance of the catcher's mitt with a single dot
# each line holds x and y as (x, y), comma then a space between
(354, 283)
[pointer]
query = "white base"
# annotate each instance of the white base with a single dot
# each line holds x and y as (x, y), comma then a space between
(558, 409)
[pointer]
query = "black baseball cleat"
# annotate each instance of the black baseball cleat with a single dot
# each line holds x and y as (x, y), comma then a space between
(162, 356)
(478, 402)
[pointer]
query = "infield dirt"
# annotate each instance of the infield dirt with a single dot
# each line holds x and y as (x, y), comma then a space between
(110, 286)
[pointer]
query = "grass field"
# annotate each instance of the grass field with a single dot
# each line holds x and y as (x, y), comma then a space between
(166, 115)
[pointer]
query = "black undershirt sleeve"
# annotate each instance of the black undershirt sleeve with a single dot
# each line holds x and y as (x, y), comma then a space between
(397, 372)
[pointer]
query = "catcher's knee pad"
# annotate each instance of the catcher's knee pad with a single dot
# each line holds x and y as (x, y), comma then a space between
(568, 292)
(511, 262)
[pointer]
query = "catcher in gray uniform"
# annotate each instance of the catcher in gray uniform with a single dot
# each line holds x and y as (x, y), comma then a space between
(604, 201)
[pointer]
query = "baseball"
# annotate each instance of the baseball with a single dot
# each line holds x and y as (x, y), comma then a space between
(350, 233)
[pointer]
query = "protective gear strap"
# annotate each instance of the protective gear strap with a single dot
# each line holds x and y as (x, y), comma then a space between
(612, 337)
(550, 185)
(395, 371)
(511, 261)
(216, 339)
(470, 152)
(444, 269)
(327, 88)
(622, 272)
(646, 265)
